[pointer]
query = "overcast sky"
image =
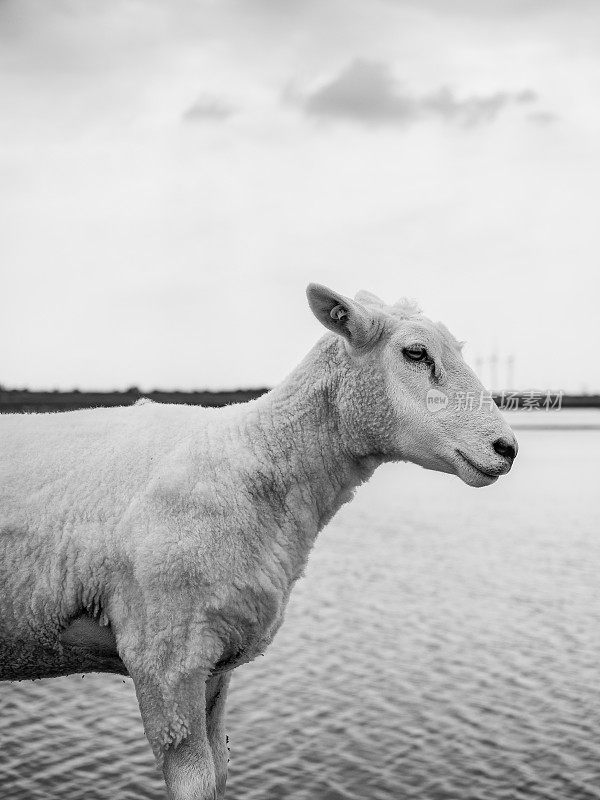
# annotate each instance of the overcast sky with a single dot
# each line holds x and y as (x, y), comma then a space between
(172, 175)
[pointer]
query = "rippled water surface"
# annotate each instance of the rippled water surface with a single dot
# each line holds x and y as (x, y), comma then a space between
(445, 643)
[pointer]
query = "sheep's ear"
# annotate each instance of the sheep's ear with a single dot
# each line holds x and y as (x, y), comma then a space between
(369, 299)
(358, 325)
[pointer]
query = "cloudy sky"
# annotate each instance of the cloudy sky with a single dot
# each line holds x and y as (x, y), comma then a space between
(172, 175)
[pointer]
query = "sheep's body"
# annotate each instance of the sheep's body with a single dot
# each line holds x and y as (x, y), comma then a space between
(182, 528)
(119, 512)
(163, 541)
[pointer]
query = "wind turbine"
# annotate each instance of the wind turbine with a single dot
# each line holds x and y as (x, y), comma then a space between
(510, 372)
(494, 371)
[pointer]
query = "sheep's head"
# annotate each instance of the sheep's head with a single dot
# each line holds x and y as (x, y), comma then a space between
(408, 392)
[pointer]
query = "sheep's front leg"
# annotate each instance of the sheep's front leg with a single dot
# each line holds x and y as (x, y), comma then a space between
(216, 695)
(188, 766)
(175, 721)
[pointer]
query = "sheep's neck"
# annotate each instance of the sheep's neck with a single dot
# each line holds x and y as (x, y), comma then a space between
(311, 465)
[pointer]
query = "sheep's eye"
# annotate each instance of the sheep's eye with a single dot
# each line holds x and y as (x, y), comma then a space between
(415, 353)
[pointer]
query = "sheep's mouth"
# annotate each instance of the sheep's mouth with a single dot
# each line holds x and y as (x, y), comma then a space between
(487, 475)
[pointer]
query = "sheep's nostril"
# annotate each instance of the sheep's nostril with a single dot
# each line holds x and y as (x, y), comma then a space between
(505, 449)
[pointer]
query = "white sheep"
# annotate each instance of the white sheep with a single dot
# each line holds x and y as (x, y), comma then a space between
(162, 541)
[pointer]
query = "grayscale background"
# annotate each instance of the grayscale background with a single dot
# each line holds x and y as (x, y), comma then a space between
(172, 175)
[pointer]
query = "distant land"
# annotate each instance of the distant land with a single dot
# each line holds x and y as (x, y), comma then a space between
(19, 400)
(22, 400)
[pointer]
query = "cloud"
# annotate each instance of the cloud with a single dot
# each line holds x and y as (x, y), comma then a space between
(472, 110)
(526, 96)
(367, 92)
(208, 108)
(543, 117)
